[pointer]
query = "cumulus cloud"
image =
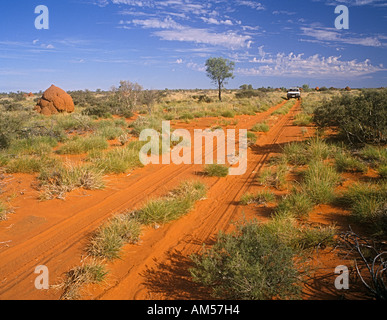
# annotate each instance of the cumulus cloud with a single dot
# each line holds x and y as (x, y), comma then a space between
(333, 35)
(315, 66)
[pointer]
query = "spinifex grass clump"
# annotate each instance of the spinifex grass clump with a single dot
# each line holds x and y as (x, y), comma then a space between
(30, 164)
(87, 273)
(260, 127)
(55, 182)
(108, 240)
(216, 170)
(319, 182)
(296, 204)
(32, 146)
(3, 211)
(260, 197)
(368, 204)
(169, 208)
(301, 153)
(118, 160)
(274, 177)
(80, 145)
(345, 162)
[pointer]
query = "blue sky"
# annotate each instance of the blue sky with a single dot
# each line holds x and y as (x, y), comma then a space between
(94, 44)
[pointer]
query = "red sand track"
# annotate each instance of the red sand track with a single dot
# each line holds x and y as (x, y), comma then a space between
(55, 233)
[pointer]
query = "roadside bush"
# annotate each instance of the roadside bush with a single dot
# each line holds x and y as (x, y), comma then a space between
(361, 118)
(252, 263)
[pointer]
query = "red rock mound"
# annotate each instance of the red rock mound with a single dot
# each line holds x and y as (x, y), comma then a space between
(55, 100)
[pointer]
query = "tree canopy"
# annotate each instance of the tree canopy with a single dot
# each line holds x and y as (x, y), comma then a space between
(219, 70)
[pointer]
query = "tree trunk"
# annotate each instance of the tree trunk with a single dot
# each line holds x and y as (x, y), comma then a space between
(220, 91)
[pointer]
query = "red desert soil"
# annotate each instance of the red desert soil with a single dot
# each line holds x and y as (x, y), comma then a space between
(54, 233)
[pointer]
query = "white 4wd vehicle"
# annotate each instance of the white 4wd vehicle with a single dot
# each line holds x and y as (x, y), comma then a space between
(294, 93)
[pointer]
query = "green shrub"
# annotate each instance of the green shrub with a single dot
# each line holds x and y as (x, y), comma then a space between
(359, 118)
(252, 263)
(11, 125)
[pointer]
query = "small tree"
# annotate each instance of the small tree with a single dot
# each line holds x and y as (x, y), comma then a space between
(219, 70)
(149, 98)
(128, 93)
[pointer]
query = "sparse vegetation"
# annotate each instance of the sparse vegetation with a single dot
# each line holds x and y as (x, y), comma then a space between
(216, 170)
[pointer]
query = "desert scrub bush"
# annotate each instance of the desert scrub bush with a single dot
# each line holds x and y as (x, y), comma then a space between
(359, 118)
(11, 125)
(108, 240)
(252, 263)
(216, 170)
(87, 273)
(174, 205)
(368, 205)
(32, 146)
(260, 127)
(319, 182)
(56, 181)
(260, 197)
(297, 204)
(80, 145)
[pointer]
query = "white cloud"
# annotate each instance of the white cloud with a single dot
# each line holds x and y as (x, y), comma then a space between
(315, 66)
(252, 4)
(227, 39)
(333, 35)
(217, 22)
(167, 23)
